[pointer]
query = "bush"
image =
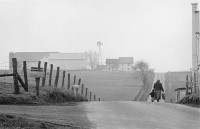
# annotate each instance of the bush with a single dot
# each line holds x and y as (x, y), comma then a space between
(59, 96)
(193, 99)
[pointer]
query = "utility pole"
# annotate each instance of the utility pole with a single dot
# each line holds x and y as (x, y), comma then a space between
(99, 44)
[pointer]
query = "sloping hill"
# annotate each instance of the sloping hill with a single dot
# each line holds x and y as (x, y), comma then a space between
(174, 80)
(109, 86)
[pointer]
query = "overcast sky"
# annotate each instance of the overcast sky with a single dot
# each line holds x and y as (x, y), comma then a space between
(156, 31)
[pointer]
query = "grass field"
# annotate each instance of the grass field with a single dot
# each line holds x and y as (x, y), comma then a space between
(109, 86)
(174, 80)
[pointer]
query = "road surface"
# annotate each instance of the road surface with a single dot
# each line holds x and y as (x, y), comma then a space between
(114, 115)
(161, 77)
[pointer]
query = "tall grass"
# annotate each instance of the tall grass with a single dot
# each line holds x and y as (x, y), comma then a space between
(58, 95)
(143, 94)
(47, 95)
(192, 99)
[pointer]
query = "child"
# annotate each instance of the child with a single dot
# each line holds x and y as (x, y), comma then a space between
(152, 95)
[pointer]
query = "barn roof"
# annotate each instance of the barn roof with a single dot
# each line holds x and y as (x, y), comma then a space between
(68, 56)
(126, 60)
(31, 56)
(112, 61)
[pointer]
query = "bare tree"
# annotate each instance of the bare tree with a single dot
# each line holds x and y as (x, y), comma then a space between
(92, 57)
(143, 68)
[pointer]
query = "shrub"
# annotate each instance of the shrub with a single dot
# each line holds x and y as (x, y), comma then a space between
(191, 99)
(59, 96)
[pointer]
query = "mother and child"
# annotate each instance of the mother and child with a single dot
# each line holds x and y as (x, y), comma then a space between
(157, 91)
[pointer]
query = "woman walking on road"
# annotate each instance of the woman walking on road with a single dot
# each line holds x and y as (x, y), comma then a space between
(158, 88)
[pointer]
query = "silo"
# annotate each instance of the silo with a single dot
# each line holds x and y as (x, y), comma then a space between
(195, 29)
(195, 45)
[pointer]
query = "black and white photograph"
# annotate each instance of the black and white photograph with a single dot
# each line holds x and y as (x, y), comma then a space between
(99, 64)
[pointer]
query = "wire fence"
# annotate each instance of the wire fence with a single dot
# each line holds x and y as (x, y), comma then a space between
(5, 68)
(6, 82)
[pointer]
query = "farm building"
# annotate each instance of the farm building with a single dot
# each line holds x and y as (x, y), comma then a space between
(112, 64)
(181, 92)
(121, 64)
(68, 61)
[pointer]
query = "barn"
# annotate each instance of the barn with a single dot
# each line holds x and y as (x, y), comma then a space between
(68, 61)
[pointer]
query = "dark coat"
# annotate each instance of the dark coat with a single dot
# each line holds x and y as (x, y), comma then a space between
(158, 86)
(152, 94)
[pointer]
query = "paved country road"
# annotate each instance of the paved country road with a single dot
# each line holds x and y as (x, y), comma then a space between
(114, 115)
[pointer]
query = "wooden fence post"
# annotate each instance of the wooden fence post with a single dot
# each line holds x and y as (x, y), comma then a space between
(25, 74)
(195, 82)
(99, 99)
(74, 82)
(191, 83)
(79, 83)
(39, 64)
(45, 73)
(37, 80)
(178, 95)
(14, 61)
(21, 82)
(90, 96)
(94, 97)
(86, 90)
(63, 79)
(187, 83)
(68, 84)
(74, 79)
(82, 89)
(57, 76)
(50, 74)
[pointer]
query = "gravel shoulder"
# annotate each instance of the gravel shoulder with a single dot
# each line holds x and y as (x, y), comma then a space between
(10, 121)
(62, 116)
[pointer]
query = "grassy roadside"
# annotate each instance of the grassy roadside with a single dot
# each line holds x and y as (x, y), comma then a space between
(109, 86)
(48, 95)
(174, 80)
(143, 94)
(191, 100)
(14, 122)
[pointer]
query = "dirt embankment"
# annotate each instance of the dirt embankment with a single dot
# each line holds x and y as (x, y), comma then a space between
(48, 95)
(191, 100)
(13, 122)
(143, 94)
(174, 80)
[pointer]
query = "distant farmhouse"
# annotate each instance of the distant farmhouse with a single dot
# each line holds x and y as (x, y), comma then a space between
(68, 61)
(121, 64)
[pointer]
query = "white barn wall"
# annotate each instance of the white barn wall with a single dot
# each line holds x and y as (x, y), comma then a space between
(69, 64)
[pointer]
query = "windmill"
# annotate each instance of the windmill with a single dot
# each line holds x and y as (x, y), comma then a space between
(100, 57)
